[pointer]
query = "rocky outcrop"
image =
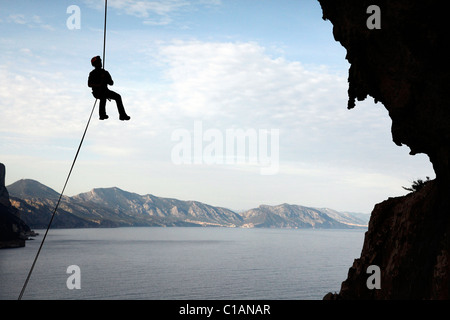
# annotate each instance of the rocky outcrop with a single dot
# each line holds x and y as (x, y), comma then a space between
(13, 231)
(403, 66)
(408, 238)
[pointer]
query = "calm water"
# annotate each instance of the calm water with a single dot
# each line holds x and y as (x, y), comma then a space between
(183, 263)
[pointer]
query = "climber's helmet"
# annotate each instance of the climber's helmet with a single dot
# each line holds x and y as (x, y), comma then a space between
(96, 60)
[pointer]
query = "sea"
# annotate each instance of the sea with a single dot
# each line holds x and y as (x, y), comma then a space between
(204, 263)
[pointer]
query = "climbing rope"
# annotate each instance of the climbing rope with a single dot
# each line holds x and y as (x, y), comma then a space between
(57, 204)
(70, 172)
(104, 33)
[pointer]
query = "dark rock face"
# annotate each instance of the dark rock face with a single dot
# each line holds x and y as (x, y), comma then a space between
(13, 231)
(403, 65)
(408, 238)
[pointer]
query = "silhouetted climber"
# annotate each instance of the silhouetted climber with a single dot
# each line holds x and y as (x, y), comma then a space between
(99, 79)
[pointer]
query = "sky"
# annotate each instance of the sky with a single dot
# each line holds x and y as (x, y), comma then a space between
(234, 103)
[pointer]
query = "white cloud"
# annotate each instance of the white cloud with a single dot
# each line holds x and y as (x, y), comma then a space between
(157, 12)
(160, 21)
(36, 104)
(144, 9)
(33, 21)
(17, 18)
(240, 81)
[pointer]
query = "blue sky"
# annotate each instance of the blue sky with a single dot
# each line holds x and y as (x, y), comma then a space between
(229, 65)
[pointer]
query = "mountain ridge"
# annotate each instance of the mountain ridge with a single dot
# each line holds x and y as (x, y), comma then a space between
(114, 207)
(31, 188)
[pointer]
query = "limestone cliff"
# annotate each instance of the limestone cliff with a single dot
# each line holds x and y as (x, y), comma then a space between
(13, 231)
(404, 66)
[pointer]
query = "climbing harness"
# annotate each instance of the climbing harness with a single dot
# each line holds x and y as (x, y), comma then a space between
(70, 171)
